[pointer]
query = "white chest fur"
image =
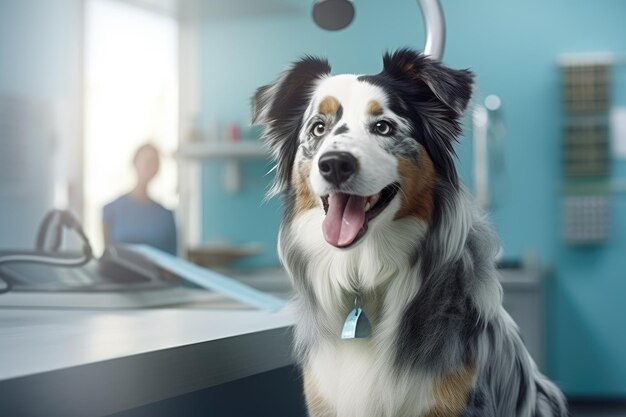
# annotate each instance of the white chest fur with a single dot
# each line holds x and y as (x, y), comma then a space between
(356, 379)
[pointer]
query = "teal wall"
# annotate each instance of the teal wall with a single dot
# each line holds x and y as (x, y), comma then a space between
(512, 47)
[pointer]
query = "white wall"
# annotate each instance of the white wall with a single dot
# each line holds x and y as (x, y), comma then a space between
(40, 44)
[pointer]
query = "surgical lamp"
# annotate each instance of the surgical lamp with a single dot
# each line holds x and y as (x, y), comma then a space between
(338, 14)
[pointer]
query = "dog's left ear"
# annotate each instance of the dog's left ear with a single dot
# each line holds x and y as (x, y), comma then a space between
(452, 87)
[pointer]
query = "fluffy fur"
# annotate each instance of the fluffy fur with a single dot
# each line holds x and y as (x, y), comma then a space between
(442, 344)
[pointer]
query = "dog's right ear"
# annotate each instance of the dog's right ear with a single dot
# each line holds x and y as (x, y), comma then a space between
(280, 106)
(260, 104)
(277, 100)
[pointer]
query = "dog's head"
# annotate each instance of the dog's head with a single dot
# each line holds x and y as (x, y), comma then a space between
(366, 149)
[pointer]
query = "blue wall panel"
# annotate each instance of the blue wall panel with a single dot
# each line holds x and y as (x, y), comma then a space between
(513, 48)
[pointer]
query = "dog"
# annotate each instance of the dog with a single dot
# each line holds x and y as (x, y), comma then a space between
(377, 225)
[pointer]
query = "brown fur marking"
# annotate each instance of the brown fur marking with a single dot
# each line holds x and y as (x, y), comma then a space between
(417, 187)
(305, 200)
(451, 393)
(316, 405)
(329, 106)
(374, 108)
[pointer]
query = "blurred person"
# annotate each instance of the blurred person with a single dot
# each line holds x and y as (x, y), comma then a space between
(134, 217)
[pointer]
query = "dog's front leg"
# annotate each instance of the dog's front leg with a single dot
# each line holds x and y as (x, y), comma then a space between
(316, 405)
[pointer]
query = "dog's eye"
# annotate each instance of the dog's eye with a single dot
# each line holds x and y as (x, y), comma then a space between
(383, 128)
(318, 129)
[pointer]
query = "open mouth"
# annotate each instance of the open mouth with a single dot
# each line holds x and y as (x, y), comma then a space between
(347, 215)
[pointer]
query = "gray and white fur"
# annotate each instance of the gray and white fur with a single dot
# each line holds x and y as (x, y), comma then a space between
(442, 344)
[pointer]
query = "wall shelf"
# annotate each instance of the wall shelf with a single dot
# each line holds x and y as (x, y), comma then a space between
(232, 153)
(223, 150)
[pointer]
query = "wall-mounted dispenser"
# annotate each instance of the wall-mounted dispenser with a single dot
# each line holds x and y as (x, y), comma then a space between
(586, 158)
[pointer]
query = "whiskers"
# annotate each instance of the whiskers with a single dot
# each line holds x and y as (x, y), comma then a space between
(397, 188)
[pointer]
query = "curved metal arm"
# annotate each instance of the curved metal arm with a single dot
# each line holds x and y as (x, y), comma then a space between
(435, 28)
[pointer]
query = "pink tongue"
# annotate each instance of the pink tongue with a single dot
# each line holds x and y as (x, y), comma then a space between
(344, 220)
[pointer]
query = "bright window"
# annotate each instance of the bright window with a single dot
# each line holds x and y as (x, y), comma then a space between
(131, 97)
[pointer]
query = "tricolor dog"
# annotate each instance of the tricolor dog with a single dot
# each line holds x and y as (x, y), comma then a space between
(399, 308)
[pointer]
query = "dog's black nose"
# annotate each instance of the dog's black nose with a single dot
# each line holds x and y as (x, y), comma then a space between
(337, 167)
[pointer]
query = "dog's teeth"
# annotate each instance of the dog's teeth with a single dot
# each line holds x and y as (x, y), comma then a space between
(368, 206)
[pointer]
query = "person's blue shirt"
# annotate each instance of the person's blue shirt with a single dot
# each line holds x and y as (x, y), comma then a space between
(129, 220)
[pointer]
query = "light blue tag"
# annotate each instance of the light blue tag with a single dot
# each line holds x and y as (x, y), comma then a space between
(357, 325)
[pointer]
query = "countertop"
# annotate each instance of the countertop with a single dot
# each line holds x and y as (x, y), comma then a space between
(98, 362)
